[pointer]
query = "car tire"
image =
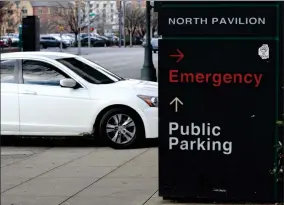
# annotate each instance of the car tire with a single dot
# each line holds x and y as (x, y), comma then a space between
(41, 46)
(155, 51)
(121, 128)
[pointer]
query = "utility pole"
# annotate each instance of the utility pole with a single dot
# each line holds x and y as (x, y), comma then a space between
(148, 71)
(21, 26)
(151, 23)
(79, 26)
(89, 40)
(120, 23)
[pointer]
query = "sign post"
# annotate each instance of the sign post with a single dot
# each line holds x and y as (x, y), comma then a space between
(222, 69)
(61, 29)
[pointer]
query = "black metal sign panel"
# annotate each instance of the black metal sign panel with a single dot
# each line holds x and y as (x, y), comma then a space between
(218, 19)
(219, 104)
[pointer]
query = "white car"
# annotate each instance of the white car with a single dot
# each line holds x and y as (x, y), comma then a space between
(59, 94)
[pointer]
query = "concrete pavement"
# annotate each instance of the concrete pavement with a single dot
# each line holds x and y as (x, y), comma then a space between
(80, 175)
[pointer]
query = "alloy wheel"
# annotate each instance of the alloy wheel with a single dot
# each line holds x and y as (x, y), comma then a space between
(120, 128)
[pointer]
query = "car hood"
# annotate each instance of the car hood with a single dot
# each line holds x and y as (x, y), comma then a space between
(140, 87)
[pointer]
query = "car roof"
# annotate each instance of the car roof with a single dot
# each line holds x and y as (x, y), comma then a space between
(52, 55)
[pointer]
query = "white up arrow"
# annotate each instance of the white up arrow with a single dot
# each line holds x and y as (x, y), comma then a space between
(176, 101)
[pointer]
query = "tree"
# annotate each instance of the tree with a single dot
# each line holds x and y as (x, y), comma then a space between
(142, 24)
(69, 18)
(7, 19)
(46, 27)
(133, 17)
(3, 7)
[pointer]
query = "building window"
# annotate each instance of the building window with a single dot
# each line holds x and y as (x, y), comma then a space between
(112, 11)
(39, 11)
(111, 5)
(48, 11)
(48, 21)
(98, 5)
(105, 5)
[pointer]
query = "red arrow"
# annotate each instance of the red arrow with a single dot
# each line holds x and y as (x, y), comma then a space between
(179, 55)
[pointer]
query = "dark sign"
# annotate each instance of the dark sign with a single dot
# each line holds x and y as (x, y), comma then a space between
(217, 19)
(219, 103)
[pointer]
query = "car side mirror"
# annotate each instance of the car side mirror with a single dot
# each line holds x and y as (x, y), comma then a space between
(68, 83)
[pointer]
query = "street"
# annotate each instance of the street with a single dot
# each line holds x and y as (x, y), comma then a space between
(82, 171)
(126, 62)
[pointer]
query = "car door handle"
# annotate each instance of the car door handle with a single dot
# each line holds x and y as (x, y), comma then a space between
(28, 92)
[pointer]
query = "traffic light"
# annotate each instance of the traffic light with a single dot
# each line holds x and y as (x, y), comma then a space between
(92, 29)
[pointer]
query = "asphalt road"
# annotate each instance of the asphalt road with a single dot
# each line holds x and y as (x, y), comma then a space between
(126, 62)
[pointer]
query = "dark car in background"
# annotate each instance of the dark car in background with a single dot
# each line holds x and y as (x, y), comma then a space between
(108, 42)
(53, 41)
(95, 41)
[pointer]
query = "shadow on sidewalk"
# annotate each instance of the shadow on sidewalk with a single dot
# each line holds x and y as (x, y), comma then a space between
(62, 142)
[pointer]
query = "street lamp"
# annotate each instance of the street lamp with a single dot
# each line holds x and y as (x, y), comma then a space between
(148, 71)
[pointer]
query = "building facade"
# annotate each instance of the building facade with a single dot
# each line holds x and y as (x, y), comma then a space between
(106, 16)
(51, 15)
(11, 20)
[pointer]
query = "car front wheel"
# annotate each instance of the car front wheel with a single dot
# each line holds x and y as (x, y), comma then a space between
(121, 128)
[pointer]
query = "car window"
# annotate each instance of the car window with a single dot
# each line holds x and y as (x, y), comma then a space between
(8, 71)
(41, 73)
(88, 73)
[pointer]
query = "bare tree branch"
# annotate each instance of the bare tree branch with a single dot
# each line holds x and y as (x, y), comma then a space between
(133, 19)
(69, 18)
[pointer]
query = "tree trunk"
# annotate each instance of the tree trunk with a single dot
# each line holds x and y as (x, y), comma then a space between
(130, 39)
(76, 38)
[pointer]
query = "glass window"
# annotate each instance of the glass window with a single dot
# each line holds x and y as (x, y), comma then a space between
(41, 73)
(7, 71)
(88, 73)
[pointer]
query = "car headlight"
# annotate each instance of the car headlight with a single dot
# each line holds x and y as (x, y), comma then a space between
(152, 101)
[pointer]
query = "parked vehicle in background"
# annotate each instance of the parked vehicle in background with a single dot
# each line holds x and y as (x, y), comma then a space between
(107, 41)
(14, 40)
(3, 42)
(113, 39)
(60, 94)
(155, 44)
(95, 42)
(67, 38)
(53, 41)
(63, 37)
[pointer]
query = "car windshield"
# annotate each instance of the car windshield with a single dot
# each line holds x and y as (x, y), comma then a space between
(90, 71)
